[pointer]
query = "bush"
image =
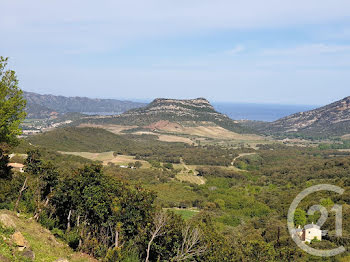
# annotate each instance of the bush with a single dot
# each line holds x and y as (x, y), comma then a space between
(57, 233)
(47, 222)
(230, 220)
(72, 239)
(168, 165)
(128, 254)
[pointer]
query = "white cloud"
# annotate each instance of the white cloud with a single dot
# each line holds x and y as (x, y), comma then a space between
(43, 35)
(237, 49)
(121, 21)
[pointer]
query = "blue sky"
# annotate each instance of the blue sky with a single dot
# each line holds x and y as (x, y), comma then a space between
(271, 51)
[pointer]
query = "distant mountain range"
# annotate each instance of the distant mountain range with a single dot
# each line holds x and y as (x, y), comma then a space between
(43, 106)
(187, 112)
(326, 121)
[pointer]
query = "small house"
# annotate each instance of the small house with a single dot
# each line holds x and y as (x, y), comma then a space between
(309, 232)
(312, 231)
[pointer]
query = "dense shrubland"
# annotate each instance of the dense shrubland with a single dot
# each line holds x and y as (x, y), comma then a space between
(117, 214)
(115, 221)
(144, 147)
(243, 213)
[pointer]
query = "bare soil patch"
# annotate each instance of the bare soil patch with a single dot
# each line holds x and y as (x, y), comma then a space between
(116, 129)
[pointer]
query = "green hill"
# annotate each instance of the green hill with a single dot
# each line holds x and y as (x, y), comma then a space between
(80, 139)
(196, 111)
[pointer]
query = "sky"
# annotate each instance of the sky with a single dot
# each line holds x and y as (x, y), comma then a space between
(249, 51)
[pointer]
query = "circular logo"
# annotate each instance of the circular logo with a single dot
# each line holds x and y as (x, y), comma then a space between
(324, 214)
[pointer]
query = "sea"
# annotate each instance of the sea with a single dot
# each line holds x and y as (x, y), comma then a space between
(259, 112)
(246, 111)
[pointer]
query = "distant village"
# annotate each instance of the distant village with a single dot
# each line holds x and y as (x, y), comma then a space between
(40, 126)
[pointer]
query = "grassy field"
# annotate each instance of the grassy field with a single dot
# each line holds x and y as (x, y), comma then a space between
(116, 129)
(45, 246)
(191, 178)
(174, 193)
(185, 213)
(173, 132)
(188, 174)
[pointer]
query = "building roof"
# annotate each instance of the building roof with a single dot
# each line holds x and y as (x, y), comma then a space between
(312, 226)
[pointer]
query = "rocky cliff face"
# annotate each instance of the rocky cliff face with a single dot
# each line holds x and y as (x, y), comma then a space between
(191, 109)
(330, 120)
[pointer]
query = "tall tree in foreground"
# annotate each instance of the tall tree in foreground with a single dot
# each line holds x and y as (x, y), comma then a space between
(12, 105)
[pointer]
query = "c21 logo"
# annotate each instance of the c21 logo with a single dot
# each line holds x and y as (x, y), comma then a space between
(324, 215)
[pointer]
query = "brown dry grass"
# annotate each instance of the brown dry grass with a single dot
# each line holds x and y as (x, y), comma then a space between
(108, 157)
(45, 246)
(191, 178)
(346, 137)
(116, 129)
(175, 132)
(16, 165)
(204, 129)
(170, 138)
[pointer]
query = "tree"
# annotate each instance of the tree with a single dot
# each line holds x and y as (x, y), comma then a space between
(168, 165)
(12, 105)
(191, 245)
(138, 164)
(5, 169)
(299, 217)
(160, 220)
(33, 162)
(256, 250)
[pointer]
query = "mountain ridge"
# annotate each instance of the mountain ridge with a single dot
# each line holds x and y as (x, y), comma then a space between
(329, 120)
(43, 106)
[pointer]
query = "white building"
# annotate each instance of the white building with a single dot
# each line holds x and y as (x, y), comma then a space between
(312, 231)
(309, 233)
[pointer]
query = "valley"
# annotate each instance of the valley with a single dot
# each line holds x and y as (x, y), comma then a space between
(175, 131)
(197, 162)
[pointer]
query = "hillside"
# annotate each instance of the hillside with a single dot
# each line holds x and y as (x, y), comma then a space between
(42, 106)
(326, 121)
(80, 139)
(39, 242)
(38, 111)
(191, 112)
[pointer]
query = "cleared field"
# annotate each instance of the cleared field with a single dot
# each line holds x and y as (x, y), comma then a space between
(189, 174)
(117, 129)
(346, 137)
(108, 157)
(218, 133)
(166, 137)
(191, 178)
(171, 132)
(344, 150)
(170, 138)
(203, 129)
(185, 213)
